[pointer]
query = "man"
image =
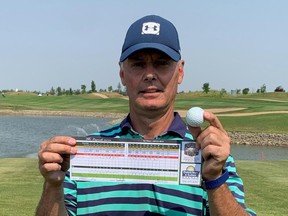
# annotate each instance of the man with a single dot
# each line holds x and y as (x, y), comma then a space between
(151, 68)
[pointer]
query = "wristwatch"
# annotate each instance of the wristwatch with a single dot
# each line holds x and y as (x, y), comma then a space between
(212, 184)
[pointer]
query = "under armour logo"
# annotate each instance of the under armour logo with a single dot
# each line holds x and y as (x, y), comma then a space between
(151, 28)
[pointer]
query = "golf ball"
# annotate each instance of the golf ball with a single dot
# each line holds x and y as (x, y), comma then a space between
(194, 116)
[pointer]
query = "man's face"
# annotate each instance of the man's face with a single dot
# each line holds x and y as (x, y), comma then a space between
(151, 79)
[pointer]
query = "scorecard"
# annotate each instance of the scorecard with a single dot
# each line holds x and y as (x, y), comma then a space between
(137, 160)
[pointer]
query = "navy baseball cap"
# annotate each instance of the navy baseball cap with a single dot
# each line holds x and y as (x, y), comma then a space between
(152, 32)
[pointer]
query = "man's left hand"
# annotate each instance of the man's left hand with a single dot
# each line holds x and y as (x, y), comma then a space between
(215, 145)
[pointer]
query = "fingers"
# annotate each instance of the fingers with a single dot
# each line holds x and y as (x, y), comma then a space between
(54, 157)
(63, 140)
(195, 131)
(214, 143)
(213, 120)
(60, 145)
(215, 146)
(49, 167)
(215, 137)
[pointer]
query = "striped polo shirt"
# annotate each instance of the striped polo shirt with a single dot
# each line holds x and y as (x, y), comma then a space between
(141, 199)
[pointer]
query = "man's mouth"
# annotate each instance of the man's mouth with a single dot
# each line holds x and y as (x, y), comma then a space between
(150, 90)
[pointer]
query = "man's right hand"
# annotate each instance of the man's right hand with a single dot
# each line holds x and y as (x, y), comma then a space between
(54, 158)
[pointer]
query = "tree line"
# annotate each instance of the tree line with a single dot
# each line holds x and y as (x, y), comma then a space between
(83, 90)
(262, 89)
(121, 90)
(58, 91)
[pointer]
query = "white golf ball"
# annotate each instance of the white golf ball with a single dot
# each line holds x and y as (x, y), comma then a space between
(194, 116)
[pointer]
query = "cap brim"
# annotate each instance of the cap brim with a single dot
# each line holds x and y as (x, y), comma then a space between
(167, 50)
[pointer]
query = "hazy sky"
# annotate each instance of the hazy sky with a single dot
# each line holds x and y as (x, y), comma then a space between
(232, 44)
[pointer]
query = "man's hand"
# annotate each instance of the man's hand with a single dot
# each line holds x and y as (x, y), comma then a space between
(54, 158)
(215, 145)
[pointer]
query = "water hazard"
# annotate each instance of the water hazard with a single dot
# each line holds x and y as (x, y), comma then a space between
(21, 136)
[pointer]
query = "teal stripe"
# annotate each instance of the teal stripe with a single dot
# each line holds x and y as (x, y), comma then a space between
(185, 188)
(109, 131)
(71, 212)
(188, 136)
(250, 211)
(233, 180)
(142, 193)
(230, 159)
(167, 137)
(70, 191)
(231, 169)
(131, 207)
(127, 176)
(84, 184)
(70, 202)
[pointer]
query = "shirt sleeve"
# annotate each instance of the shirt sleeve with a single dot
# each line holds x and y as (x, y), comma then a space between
(70, 195)
(235, 184)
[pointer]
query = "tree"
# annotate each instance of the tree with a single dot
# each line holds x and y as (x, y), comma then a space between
(59, 91)
(83, 89)
(77, 92)
(110, 89)
(279, 89)
(262, 89)
(93, 86)
(223, 92)
(68, 92)
(245, 91)
(119, 87)
(52, 91)
(124, 91)
(206, 87)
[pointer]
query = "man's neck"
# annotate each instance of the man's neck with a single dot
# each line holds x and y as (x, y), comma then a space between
(152, 125)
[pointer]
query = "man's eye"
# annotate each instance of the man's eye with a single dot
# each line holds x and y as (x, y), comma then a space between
(162, 63)
(138, 64)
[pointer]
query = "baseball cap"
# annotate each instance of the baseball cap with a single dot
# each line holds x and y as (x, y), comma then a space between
(153, 32)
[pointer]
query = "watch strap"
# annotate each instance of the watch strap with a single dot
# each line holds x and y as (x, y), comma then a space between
(212, 184)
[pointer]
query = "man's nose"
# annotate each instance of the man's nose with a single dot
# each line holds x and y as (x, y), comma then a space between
(150, 73)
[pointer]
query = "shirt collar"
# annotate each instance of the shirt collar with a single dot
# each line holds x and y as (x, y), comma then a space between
(177, 126)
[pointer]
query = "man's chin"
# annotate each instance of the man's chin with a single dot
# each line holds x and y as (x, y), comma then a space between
(150, 104)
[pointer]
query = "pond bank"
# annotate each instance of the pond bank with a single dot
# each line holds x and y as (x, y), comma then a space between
(244, 138)
(60, 113)
(259, 139)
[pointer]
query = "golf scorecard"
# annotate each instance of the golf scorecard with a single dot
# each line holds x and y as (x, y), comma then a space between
(137, 160)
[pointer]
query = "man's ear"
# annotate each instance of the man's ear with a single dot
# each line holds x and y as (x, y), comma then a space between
(181, 71)
(121, 74)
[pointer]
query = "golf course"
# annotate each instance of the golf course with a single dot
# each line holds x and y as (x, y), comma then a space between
(266, 182)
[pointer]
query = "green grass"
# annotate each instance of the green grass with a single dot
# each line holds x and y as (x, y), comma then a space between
(266, 186)
(269, 123)
(70, 103)
(21, 186)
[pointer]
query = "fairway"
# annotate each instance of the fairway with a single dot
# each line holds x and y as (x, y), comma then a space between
(266, 186)
(237, 113)
(21, 186)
